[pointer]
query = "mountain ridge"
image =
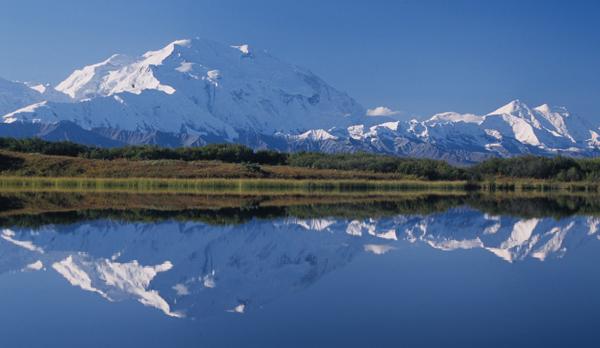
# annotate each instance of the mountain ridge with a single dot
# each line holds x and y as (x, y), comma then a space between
(198, 91)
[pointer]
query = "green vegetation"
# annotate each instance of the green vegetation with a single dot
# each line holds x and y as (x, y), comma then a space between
(233, 153)
(226, 186)
(411, 167)
(14, 164)
(38, 158)
(228, 153)
(556, 168)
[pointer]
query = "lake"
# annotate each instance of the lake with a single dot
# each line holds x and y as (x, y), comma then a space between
(419, 269)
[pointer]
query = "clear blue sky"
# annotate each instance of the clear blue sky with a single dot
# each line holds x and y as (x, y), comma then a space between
(420, 57)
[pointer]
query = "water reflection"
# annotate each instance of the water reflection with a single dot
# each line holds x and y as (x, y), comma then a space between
(198, 262)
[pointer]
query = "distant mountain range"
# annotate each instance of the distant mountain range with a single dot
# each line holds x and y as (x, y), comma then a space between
(194, 92)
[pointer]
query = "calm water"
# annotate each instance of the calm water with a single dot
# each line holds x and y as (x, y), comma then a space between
(425, 271)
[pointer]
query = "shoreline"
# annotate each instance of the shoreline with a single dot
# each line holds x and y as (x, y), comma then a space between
(259, 186)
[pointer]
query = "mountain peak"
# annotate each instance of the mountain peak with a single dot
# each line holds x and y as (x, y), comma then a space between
(543, 108)
(83, 83)
(515, 107)
(205, 86)
(157, 57)
(547, 109)
(117, 60)
(453, 117)
(197, 90)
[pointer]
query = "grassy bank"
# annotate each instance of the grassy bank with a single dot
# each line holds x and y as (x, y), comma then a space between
(33, 171)
(15, 164)
(226, 186)
(298, 187)
(532, 185)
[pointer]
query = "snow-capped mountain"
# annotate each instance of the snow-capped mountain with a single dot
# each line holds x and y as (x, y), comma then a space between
(197, 87)
(513, 129)
(194, 92)
(17, 95)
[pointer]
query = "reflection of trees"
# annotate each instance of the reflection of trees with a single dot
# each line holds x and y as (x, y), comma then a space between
(43, 208)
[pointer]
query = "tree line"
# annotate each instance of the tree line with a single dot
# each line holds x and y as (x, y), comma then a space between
(535, 167)
(230, 153)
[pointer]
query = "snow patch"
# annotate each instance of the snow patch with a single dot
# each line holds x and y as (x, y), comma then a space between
(245, 49)
(36, 266)
(240, 309)
(9, 235)
(316, 134)
(378, 249)
(456, 117)
(181, 289)
(185, 67)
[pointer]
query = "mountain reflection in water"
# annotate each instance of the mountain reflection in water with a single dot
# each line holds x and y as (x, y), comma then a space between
(188, 259)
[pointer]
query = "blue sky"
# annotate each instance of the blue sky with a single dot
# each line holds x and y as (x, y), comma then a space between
(420, 57)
